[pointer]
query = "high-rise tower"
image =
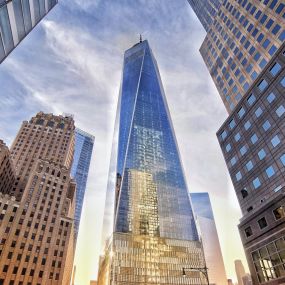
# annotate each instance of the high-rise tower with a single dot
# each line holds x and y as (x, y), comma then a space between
(17, 19)
(155, 235)
(80, 167)
(37, 227)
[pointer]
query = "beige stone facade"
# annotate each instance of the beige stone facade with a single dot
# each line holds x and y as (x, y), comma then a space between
(37, 226)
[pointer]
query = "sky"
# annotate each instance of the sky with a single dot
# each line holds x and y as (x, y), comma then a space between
(72, 63)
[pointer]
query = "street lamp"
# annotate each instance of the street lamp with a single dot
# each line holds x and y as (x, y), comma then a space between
(203, 270)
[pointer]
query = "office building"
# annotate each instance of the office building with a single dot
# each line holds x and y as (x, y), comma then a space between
(252, 141)
(17, 19)
(79, 171)
(246, 279)
(213, 255)
(242, 39)
(37, 220)
(205, 11)
(240, 272)
(155, 234)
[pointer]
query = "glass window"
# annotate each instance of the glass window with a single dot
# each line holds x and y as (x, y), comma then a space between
(272, 50)
(258, 112)
(224, 135)
(251, 99)
(248, 232)
(266, 125)
(275, 69)
(261, 154)
(270, 171)
(232, 124)
(238, 176)
(271, 97)
(241, 112)
(262, 63)
(237, 137)
(266, 43)
(243, 150)
(256, 183)
(233, 161)
(279, 213)
(280, 111)
(247, 125)
(283, 82)
(249, 165)
(282, 158)
(254, 139)
(254, 75)
(275, 141)
(262, 223)
(262, 85)
(276, 29)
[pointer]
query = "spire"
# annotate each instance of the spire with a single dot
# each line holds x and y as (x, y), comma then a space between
(140, 38)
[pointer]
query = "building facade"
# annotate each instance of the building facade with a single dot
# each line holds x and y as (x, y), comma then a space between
(79, 171)
(206, 11)
(37, 216)
(242, 39)
(155, 234)
(240, 272)
(252, 141)
(17, 19)
(213, 255)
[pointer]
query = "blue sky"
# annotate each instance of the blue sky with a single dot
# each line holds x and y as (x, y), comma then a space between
(72, 62)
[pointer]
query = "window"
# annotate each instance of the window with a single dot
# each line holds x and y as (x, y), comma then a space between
(256, 183)
(275, 141)
(258, 112)
(248, 232)
(279, 213)
(261, 154)
(275, 69)
(271, 97)
(237, 137)
(280, 111)
(233, 161)
(262, 85)
(238, 176)
(223, 135)
(262, 223)
(247, 125)
(243, 150)
(249, 165)
(283, 82)
(251, 99)
(270, 171)
(254, 139)
(244, 193)
(266, 125)
(272, 50)
(232, 124)
(282, 158)
(241, 112)
(228, 147)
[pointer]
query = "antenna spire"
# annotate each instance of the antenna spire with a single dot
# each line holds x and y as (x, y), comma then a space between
(140, 38)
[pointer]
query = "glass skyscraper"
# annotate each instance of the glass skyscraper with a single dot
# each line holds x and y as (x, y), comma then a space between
(213, 255)
(17, 19)
(80, 167)
(155, 234)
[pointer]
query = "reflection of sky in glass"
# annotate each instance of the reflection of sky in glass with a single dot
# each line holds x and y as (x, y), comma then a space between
(80, 168)
(202, 205)
(153, 197)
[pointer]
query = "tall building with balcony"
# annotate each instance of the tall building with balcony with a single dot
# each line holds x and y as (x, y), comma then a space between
(213, 255)
(154, 234)
(206, 11)
(37, 215)
(252, 141)
(242, 39)
(79, 171)
(17, 19)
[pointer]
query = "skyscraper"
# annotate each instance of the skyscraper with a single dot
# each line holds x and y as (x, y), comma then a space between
(17, 19)
(240, 272)
(213, 255)
(252, 141)
(206, 11)
(155, 235)
(37, 215)
(240, 42)
(79, 171)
